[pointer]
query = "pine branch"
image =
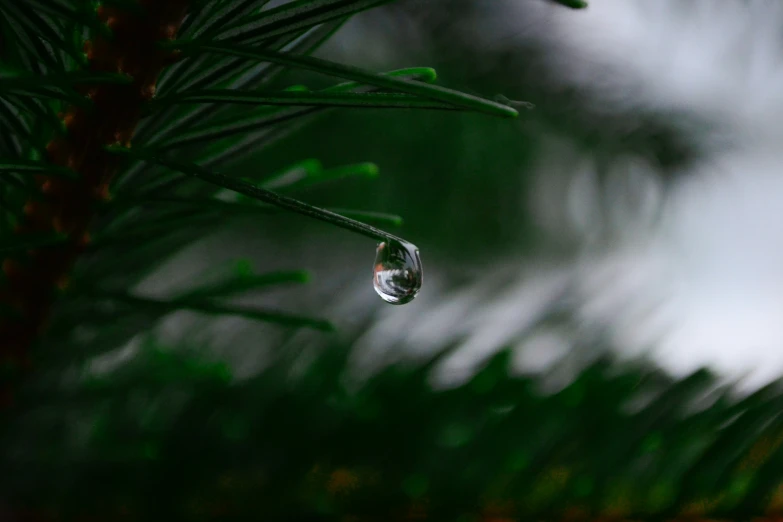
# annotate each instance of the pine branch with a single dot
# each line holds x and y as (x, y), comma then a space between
(495, 447)
(63, 168)
(70, 143)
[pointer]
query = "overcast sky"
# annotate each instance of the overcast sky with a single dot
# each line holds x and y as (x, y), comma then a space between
(716, 262)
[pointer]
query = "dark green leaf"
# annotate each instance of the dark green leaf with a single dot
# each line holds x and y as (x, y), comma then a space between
(424, 90)
(36, 167)
(293, 16)
(265, 116)
(308, 99)
(246, 283)
(573, 4)
(211, 308)
(260, 194)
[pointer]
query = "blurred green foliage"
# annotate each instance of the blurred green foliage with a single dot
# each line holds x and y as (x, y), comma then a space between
(175, 436)
(160, 433)
(458, 180)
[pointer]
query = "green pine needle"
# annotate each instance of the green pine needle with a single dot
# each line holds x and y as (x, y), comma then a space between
(36, 167)
(432, 92)
(259, 193)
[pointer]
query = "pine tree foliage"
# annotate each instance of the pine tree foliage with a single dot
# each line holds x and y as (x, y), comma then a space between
(121, 121)
(175, 437)
(111, 109)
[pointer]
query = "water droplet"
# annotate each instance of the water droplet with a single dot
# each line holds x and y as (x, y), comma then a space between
(397, 273)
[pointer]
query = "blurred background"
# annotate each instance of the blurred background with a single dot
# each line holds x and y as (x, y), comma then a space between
(635, 208)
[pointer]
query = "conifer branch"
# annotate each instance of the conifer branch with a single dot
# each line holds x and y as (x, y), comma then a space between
(67, 206)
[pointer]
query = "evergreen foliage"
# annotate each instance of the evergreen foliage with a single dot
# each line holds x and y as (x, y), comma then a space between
(93, 197)
(121, 121)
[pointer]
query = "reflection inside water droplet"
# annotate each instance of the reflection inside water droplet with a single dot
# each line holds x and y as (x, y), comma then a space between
(397, 273)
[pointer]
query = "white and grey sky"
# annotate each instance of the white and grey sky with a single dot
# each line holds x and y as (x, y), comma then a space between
(716, 260)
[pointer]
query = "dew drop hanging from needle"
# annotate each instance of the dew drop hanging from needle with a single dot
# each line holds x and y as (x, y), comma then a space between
(397, 273)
